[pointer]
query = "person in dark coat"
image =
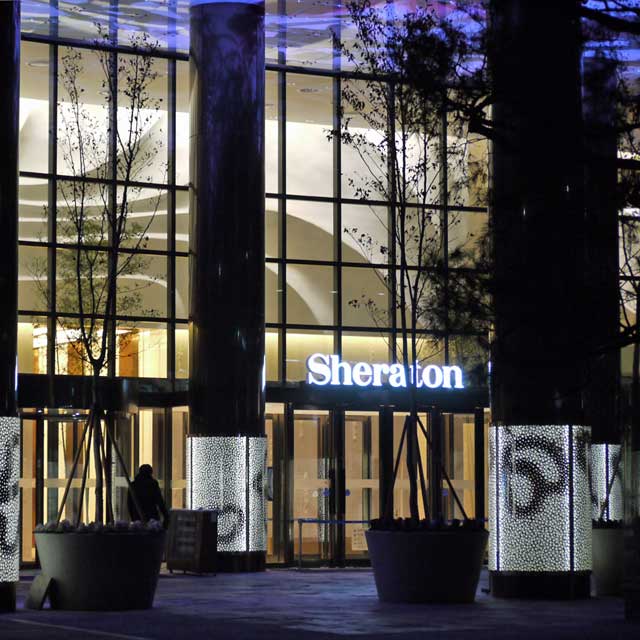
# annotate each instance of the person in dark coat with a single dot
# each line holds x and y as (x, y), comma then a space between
(149, 497)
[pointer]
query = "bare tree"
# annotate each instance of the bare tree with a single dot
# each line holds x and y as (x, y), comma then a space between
(110, 151)
(402, 115)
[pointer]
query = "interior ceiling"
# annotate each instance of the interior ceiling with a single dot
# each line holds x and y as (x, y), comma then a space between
(308, 23)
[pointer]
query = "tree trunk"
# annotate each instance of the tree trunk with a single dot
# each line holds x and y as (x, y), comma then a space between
(97, 444)
(412, 464)
(108, 477)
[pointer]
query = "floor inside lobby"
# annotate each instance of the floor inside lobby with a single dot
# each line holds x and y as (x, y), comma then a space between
(315, 604)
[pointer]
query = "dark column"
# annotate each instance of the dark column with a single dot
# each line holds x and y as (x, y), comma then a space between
(9, 423)
(602, 268)
(227, 218)
(539, 355)
(537, 213)
(227, 248)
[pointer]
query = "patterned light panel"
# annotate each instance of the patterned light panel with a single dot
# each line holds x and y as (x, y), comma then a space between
(539, 499)
(227, 473)
(9, 498)
(606, 475)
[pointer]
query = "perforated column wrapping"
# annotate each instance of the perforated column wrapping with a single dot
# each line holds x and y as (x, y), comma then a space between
(257, 503)
(9, 498)
(227, 473)
(606, 470)
(540, 513)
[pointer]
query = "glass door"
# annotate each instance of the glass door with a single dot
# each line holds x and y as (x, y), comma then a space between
(362, 478)
(312, 486)
(401, 488)
(336, 484)
(277, 482)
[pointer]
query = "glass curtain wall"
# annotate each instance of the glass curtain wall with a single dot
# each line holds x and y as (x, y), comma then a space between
(318, 268)
(315, 265)
(152, 303)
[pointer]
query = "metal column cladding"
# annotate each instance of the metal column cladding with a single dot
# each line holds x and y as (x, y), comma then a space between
(539, 500)
(607, 499)
(228, 473)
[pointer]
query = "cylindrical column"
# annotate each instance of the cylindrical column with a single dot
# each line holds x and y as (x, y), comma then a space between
(541, 325)
(227, 263)
(9, 422)
(602, 267)
(537, 212)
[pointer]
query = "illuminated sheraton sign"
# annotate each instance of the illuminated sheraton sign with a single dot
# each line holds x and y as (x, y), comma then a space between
(329, 369)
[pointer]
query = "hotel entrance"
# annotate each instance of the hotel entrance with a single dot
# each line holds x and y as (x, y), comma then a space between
(330, 469)
(324, 483)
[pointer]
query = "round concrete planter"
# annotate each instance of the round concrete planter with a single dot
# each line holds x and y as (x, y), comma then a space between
(608, 561)
(101, 571)
(427, 566)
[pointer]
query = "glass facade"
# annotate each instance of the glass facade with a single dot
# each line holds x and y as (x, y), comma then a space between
(328, 460)
(317, 266)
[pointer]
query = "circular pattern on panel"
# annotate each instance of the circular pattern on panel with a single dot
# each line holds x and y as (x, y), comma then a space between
(539, 507)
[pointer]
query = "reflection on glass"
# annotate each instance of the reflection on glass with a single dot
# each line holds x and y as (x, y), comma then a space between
(311, 483)
(277, 525)
(362, 477)
(429, 349)
(466, 232)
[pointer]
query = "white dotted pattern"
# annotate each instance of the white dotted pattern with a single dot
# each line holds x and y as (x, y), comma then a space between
(606, 471)
(533, 483)
(217, 471)
(9, 498)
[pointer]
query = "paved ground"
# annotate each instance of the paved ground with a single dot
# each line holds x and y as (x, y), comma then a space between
(312, 605)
